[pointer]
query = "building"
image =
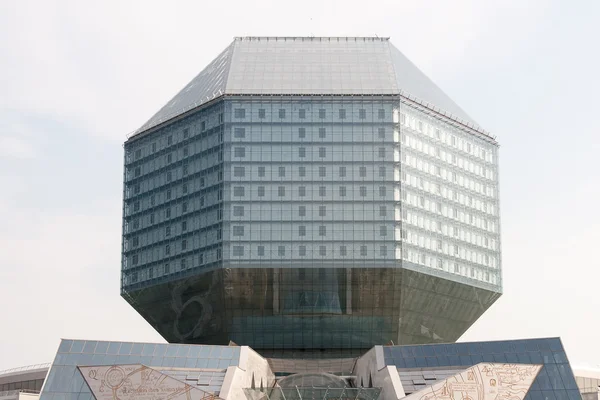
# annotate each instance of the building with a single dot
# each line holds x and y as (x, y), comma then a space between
(533, 369)
(310, 194)
(23, 383)
(311, 218)
(588, 381)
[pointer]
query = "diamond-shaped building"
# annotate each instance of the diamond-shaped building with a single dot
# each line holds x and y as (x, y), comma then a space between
(305, 194)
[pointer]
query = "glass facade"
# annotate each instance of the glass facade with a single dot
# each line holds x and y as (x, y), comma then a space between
(65, 381)
(308, 200)
(311, 222)
(555, 381)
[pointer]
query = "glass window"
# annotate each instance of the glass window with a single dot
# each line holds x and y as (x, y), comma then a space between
(238, 251)
(238, 191)
(302, 191)
(239, 152)
(322, 211)
(362, 171)
(343, 251)
(342, 172)
(239, 132)
(322, 133)
(238, 230)
(322, 172)
(239, 113)
(301, 133)
(363, 191)
(261, 113)
(301, 152)
(239, 171)
(381, 113)
(322, 191)
(261, 191)
(381, 133)
(382, 191)
(362, 113)
(281, 191)
(281, 172)
(322, 230)
(322, 113)
(363, 251)
(281, 251)
(382, 211)
(282, 113)
(302, 230)
(342, 113)
(342, 191)
(238, 211)
(261, 250)
(302, 251)
(322, 252)
(302, 211)
(321, 151)
(302, 113)
(302, 171)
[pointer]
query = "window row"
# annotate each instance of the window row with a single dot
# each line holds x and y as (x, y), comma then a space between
(449, 249)
(449, 176)
(321, 171)
(310, 191)
(240, 152)
(304, 251)
(449, 158)
(452, 213)
(437, 189)
(437, 226)
(285, 134)
(321, 113)
(449, 266)
(427, 127)
(313, 230)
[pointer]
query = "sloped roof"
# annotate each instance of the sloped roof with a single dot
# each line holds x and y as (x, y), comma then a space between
(308, 66)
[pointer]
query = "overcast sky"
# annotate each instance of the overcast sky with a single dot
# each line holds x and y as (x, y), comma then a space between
(76, 77)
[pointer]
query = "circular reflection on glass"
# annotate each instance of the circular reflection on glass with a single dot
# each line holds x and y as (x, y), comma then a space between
(322, 380)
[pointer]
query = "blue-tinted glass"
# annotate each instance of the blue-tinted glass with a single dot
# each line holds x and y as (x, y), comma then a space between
(476, 359)
(97, 359)
(519, 346)
(109, 359)
(410, 362)
(156, 361)
(560, 357)
(474, 348)
(90, 346)
(205, 352)
(440, 349)
(454, 360)
(488, 358)
(531, 345)
(554, 376)
(145, 360)
(499, 358)
(536, 357)
(235, 360)
(406, 351)
(194, 352)
(548, 357)
(399, 362)
(136, 349)
(101, 347)
(65, 346)
(171, 350)
(511, 358)
(465, 360)
(148, 349)
(213, 363)
(77, 346)
(179, 362)
(168, 361)
(75, 383)
(125, 349)
(524, 358)
(543, 381)
(418, 351)
(555, 344)
(201, 363)
(543, 344)
(432, 362)
(574, 394)
(85, 359)
(535, 395)
(561, 395)
(190, 362)
(462, 349)
(548, 395)
(160, 350)
(84, 396)
(223, 363)
(421, 362)
(450, 349)
(113, 348)
(567, 376)
(428, 351)
(60, 359)
(183, 351)
(387, 351)
(215, 352)
(443, 360)
(487, 347)
(227, 352)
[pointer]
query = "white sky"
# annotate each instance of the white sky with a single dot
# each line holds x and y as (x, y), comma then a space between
(76, 77)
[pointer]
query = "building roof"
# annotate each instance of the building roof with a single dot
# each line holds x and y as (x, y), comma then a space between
(309, 66)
